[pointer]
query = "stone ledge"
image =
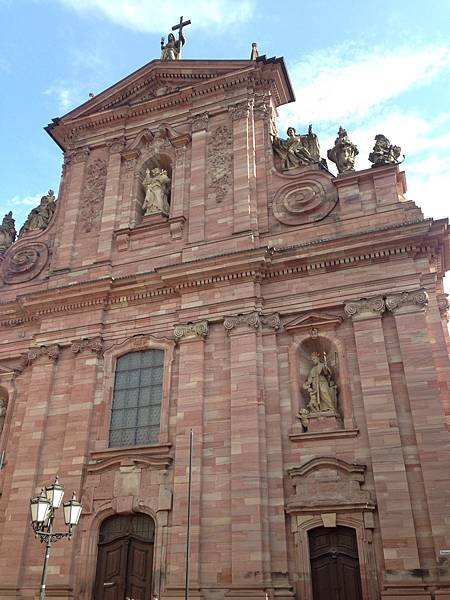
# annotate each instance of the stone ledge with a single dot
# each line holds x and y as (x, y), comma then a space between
(323, 435)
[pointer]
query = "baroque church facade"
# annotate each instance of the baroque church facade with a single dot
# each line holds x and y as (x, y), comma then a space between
(197, 272)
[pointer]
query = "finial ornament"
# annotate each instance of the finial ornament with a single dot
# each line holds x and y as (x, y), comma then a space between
(343, 153)
(172, 50)
(384, 153)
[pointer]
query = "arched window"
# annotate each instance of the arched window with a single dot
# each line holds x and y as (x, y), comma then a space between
(136, 405)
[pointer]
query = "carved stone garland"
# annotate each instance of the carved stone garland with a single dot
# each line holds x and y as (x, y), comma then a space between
(94, 191)
(220, 159)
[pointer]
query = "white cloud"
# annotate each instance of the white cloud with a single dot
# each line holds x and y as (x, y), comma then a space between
(159, 15)
(25, 200)
(350, 82)
(66, 96)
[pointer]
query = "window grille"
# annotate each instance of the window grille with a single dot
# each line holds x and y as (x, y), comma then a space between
(136, 406)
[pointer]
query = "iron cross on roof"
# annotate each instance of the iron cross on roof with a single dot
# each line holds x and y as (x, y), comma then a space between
(180, 26)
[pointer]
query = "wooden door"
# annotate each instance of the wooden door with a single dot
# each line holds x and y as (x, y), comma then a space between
(125, 558)
(334, 564)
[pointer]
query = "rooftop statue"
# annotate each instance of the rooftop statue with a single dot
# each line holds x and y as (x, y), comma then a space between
(343, 153)
(40, 217)
(383, 152)
(172, 50)
(7, 232)
(157, 187)
(297, 150)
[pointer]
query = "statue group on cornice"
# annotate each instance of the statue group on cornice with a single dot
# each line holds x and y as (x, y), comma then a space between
(40, 217)
(301, 150)
(7, 232)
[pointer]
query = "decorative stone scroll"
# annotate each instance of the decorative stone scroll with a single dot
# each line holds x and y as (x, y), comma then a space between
(24, 262)
(34, 354)
(417, 300)
(94, 191)
(443, 305)
(94, 345)
(220, 159)
(310, 197)
(254, 320)
(365, 308)
(200, 122)
(184, 331)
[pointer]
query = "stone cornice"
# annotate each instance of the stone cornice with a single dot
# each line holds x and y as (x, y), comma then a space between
(413, 301)
(253, 264)
(367, 308)
(190, 331)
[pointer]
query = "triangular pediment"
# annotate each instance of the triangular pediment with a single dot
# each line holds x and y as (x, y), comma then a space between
(313, 320)
(160, 85)
(156, 80)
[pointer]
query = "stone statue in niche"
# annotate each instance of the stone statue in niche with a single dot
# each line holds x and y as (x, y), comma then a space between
(2, 414)
(320, 385)
(384, 153)
(40, 217)
(343, 153)
(157, 189)
(7, 232)
(297, 150)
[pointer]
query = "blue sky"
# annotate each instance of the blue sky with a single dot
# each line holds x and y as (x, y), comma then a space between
(372, 67)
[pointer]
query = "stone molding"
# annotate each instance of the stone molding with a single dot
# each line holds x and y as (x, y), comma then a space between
(52, 352)
(93, 344)
(189, 331)
(200, 122)
(254, 320)
(366, 308)
(416, 301)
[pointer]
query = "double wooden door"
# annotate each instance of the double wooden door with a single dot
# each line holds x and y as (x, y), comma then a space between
(125, 559)
(334, 564)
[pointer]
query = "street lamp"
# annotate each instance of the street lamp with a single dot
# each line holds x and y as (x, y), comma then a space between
(42, 514)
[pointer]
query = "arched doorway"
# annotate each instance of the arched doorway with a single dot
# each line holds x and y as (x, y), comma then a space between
(334, 564)
(125, 558)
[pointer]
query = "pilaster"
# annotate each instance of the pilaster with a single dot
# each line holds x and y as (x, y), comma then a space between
(198, 178)
(391, 484)
(432, 436)
(16, 533)
(191, 339)
(242, 213)
(111, 201)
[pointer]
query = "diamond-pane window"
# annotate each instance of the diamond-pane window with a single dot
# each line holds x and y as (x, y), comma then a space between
(136, 406)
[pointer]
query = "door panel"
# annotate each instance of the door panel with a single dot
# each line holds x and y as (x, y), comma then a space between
(125, 558)
(334, 564)
(111, 570)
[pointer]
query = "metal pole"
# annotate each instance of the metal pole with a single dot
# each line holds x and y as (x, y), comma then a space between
(48, 546)
(188, 534)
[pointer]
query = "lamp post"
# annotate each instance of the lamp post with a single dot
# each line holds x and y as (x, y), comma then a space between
(43, 509)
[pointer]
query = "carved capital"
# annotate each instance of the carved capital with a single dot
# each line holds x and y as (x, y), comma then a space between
(200, 122)
(415, 301)
(254, 320)
(94, 345)
(33, 354)
(185, 331)
(367, 308)
(240, 110)
(261, 108)
(116, 145)
(79, 155)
